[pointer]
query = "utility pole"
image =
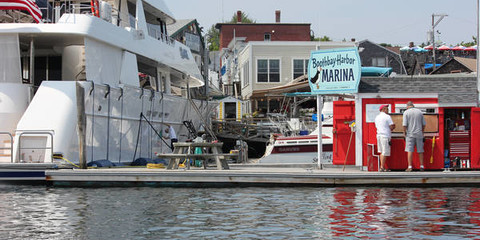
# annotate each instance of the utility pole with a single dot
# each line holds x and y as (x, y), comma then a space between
(434, 24)
(205, 66)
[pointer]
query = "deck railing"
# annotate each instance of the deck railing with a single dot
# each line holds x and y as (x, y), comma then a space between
(38, 134)
(11, 145)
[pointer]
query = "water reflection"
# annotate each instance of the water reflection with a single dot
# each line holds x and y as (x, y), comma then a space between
(238, 213)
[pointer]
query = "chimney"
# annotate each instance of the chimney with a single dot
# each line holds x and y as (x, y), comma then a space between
(277, 16)
(239, 16)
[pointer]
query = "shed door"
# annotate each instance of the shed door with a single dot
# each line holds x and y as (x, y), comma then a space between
(230, 110)
(474, 139)
(343, 114)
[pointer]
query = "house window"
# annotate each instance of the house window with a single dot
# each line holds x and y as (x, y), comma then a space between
(267, 37)
(379, 62)
(299, 67)
(268, 70)
(245, 75)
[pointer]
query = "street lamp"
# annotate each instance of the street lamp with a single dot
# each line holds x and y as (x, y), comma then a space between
(434, 24)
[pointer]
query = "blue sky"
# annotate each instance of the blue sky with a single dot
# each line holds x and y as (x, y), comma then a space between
(381, 21)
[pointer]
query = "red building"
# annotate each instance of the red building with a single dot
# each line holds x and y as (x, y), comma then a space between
(263, 31)
(449, 103)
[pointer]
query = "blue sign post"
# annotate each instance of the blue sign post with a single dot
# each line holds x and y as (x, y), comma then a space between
(332, 71)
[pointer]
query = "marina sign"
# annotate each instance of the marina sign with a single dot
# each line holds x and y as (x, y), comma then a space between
(334, 71)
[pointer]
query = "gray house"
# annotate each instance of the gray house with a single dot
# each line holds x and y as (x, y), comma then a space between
(374, 55)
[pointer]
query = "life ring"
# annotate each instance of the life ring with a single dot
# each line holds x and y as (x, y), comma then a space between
(95, 6)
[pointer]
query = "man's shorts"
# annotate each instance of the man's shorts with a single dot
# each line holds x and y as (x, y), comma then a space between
(383, 145)
(410, 143)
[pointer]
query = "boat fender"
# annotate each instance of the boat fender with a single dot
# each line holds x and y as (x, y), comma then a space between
(155, 165)
(141, 162)
(100, 163)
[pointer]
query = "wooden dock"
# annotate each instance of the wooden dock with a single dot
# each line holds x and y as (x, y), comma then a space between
(255, 175)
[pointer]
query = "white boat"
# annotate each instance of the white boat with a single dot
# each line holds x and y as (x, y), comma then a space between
(298, 149)
(302, 149)
(93, 51)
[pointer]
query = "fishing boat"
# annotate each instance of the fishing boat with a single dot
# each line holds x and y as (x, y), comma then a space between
(92, 80)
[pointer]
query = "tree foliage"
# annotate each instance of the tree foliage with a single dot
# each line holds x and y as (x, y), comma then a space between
(469, 44)
(213, 34)
(245, 18)
(320, 39)
(213, 38)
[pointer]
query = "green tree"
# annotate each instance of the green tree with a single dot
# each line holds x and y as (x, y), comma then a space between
(245, 18)
(325, 39)
(213, 34)
(321, 39)
(469, 44)
(213, 38)
(385, 44)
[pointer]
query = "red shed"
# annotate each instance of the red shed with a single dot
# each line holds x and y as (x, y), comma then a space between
(449, 103)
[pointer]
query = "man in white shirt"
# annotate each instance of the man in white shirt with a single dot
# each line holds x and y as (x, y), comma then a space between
(384, 125)
(170, 134)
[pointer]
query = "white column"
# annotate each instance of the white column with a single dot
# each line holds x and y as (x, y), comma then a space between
(319, 126)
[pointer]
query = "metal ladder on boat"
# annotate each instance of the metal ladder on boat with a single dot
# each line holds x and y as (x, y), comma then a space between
(192, 132)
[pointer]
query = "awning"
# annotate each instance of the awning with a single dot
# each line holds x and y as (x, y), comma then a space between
(376, 71)
(443, 48)
(280, 90)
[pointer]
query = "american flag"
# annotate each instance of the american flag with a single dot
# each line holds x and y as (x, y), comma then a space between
(27, 5)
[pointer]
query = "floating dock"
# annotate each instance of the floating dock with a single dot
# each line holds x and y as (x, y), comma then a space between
(255, 175)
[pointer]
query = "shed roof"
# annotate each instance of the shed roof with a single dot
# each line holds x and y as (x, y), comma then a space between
(469, 63)
(452, 89)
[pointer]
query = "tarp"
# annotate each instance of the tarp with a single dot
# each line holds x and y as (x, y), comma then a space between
(430, 65)
(443, 48)
(458, 48)
(429, 47)
(420, 50)
(474, 48)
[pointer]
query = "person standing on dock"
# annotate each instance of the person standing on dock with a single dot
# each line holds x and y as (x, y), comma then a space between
(170, 134)
(384, 125)
(413, 126)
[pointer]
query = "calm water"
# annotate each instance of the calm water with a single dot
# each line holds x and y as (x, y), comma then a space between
(32, 212)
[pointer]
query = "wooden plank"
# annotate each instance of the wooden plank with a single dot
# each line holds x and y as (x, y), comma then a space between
(193, 144)
(431, 119)
(81, 126)
(261, 176)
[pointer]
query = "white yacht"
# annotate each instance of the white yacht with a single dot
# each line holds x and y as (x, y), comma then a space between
(93, 75)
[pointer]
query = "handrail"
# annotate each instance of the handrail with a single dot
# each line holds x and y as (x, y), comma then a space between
(11, 145)
(48, 132)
